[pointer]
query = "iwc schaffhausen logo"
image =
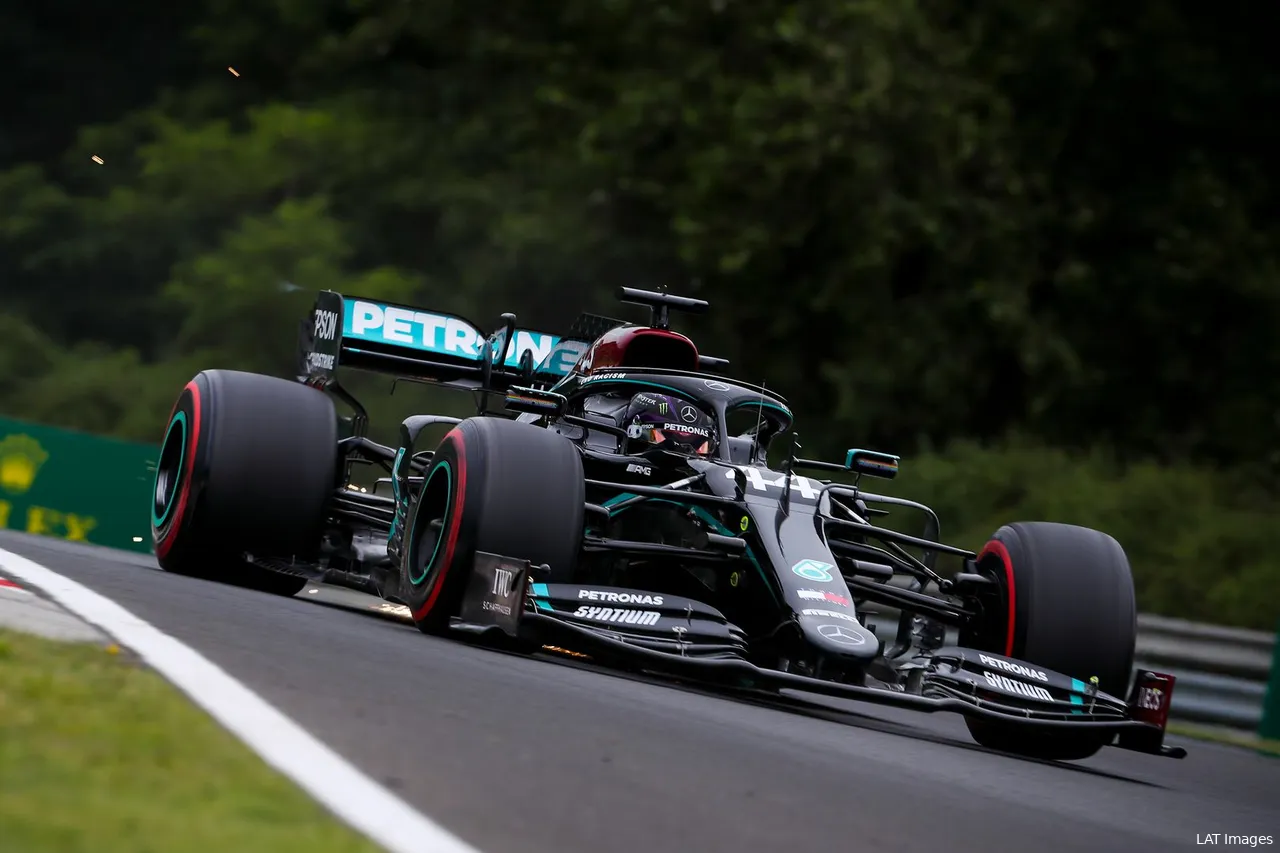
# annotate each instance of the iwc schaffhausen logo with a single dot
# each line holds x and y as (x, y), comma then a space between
(21, 458)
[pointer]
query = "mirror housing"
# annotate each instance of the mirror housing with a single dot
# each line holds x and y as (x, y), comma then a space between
(533, 401)
(872, 463)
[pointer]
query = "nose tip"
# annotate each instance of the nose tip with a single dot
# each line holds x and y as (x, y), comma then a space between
(832, 633)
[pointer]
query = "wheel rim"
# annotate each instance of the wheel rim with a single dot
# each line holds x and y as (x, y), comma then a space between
(169, 470)
(433, 510)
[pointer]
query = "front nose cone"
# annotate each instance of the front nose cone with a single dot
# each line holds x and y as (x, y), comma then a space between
(839, 634)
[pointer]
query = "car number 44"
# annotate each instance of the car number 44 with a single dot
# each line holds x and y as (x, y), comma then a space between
(762, 481)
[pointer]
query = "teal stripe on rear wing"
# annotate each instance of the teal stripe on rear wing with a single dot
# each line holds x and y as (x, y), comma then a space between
(416, 330)
(401, 339)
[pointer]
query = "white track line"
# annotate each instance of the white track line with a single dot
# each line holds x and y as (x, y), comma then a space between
(344, 790)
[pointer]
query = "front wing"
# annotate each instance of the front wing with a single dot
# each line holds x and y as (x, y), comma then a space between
(500, 597)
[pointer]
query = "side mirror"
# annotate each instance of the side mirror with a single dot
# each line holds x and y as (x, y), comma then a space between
(533, 401)
(872, 463)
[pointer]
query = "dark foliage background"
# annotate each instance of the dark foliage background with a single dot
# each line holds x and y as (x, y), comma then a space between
(1032, 247)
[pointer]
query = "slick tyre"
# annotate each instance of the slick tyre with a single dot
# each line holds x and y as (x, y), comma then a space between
(497, 486)
(1067, 605)
(247, 465)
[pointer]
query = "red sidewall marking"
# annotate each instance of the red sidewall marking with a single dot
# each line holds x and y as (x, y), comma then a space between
(6, 583)
(996, 547)
(455, 524)
(166, 541)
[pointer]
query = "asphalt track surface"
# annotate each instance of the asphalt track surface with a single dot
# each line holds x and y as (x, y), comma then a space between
(524, 754)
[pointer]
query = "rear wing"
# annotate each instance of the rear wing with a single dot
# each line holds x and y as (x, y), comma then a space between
(386, 337)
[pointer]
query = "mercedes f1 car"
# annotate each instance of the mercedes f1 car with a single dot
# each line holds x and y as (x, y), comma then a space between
(608, 509)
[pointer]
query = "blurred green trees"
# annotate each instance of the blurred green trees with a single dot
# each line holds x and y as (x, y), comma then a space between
(1047, 230)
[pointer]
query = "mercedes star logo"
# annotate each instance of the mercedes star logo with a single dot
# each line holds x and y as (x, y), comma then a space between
(688, 414)
(714, 385)
(842, 635)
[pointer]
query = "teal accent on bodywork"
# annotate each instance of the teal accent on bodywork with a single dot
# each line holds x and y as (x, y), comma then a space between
(395, 492)
(759, 404)
(540, 591)
(436, 332)
(712, 520)
(706, 517)
(180, 419)
(681, 394)
(448, 504)
(1077, 688)
(564, 355)
(854, 451)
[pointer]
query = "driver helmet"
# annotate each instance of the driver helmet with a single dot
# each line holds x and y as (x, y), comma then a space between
(670, 423)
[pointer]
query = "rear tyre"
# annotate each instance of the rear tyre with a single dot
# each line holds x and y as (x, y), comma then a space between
(497, 486)
(1068, 605)
(247, 465)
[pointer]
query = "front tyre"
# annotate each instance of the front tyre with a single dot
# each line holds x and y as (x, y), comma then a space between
(497, 486)
(1068, 605)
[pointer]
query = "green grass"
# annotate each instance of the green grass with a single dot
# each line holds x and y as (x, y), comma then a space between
(98, 753)
(1217, 735)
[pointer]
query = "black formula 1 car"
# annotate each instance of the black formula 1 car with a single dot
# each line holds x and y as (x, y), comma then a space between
(609, 509)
